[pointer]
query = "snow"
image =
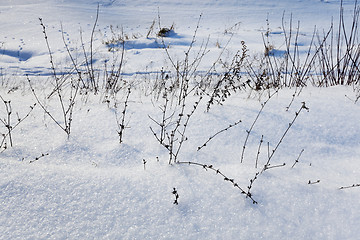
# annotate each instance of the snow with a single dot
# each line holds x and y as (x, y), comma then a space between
(89, 186)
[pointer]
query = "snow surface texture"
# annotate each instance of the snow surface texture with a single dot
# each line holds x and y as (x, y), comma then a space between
(91, 187)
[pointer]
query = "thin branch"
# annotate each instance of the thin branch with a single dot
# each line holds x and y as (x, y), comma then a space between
(266, 166)
(253, 124)
(352, 186)
(121, 124)
(217, 171)
(221, 131)
(297, 159)
(258, 152)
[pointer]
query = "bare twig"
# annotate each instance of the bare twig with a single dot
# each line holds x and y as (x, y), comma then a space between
(217, 171)
(352, 186)
(313, 182)
(221, 131)
(253, 124)
(121, 123)
(92, 76)
(258, 152)
(41, 156)
(176, 201)
(266, 166)
(297, 159)
(7, 122)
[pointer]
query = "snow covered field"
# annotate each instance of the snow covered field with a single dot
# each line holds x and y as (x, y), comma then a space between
(87, 185)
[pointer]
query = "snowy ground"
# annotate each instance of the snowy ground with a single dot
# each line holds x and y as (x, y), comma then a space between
(89, 186)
